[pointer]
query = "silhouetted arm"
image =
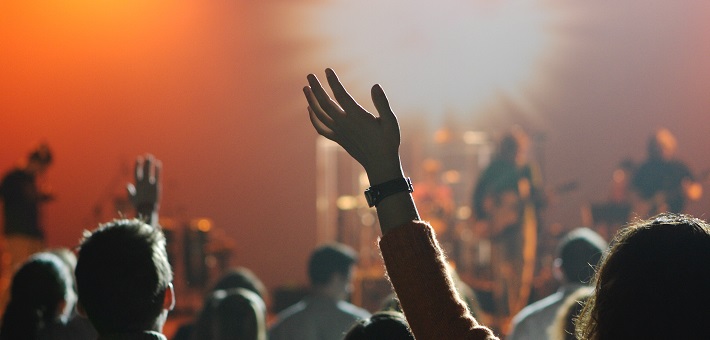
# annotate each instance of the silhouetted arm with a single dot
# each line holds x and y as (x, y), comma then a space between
(414, 261)
(145, 193)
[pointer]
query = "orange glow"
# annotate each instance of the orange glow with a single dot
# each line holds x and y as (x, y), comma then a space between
(204, 225)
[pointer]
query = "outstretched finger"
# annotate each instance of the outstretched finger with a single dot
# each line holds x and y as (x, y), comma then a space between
(147, 171)
(383, 106)
(317, 110)
(321, 128)
(138, 171)
(329, 106)
(345, 100)
(157, 168)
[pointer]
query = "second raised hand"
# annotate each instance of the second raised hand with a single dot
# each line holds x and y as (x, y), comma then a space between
(145, 193)
(372, 141)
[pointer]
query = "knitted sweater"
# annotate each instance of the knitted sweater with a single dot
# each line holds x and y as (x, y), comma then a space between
(416, 268)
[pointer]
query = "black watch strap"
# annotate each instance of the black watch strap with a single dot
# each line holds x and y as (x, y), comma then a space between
(376, 193)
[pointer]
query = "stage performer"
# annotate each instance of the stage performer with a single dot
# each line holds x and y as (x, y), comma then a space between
(662, 183)
(23, 198)
(507, 199)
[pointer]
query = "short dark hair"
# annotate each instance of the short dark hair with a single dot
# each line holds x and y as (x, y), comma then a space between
(330, 259)
(122, 276)
(580, 251)
(241, 277)
(653, 283)
(236, 313)
(384, 325)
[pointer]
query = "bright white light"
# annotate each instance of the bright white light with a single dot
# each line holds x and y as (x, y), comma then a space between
(433, 56)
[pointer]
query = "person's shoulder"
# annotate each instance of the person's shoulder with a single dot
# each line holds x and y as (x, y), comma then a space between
(355, 311)
(291, 323)
(537, 307)
(292, 310)
(497, 165)
(288, 316)
(533, 320)
(647, 166)
(14, 175)
(678, 165)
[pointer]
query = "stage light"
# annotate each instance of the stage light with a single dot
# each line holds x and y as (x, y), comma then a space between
(451, 177)
(347, 202)
(204, 224)
(434, 56)
(475, 137)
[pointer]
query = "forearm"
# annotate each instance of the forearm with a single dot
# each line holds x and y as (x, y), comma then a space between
(416, 267)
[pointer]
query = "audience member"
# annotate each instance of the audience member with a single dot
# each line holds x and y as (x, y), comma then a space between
(563, 327)
(124, 280)
(324, 313)
(233, 314)
(78, 327)
(413, 258)
(381, 326)
(23, 197)
(239, 277)
(41, 299)
(577, 255)
(653, 283)
(123, 276)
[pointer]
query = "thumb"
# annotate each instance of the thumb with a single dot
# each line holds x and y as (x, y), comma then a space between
(131, 189)
(383, 106)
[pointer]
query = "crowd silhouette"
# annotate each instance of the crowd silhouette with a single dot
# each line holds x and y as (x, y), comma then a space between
(651, 282)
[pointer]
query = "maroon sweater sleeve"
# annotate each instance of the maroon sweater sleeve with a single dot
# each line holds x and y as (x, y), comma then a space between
(416, 268)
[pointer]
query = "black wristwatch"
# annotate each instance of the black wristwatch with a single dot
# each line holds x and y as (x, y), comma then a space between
(376, 193)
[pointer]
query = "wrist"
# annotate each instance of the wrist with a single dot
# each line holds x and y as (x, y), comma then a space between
(375, 194)
(381, 172)
(146, 209)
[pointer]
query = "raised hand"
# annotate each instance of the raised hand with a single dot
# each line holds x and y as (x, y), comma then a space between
(145, 193)
(372, 141)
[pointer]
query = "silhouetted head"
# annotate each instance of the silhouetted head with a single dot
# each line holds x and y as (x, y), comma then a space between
(241, 277)
(653, 283)
(40, 294)
(388, 325)
(39, 159)
(662, 145)
(514, 145)
(69, 259)
(329, 260)
(508, 148)
(124, 278)
(578, 253)
(233, 314)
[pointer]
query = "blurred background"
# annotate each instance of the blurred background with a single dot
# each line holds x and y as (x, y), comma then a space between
(213, 89)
